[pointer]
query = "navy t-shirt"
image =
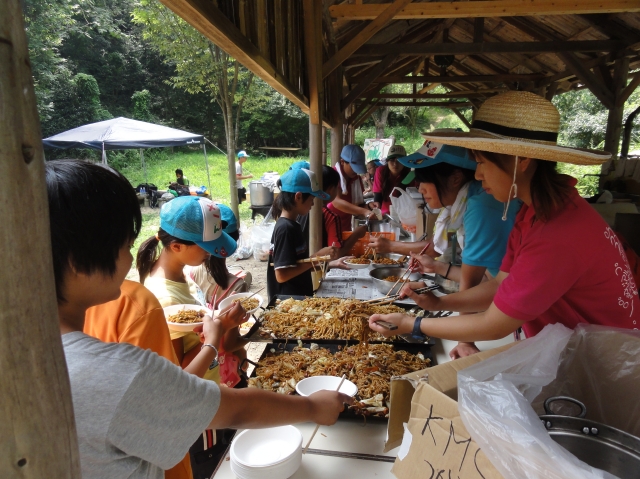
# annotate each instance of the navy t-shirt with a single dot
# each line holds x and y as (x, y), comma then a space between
(288, 245)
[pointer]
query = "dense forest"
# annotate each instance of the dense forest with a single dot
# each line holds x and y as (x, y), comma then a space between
(96, 59)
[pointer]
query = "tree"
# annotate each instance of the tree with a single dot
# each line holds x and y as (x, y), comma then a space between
(200, 67)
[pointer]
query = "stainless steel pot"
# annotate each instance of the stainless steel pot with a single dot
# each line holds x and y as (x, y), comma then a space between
(260, 194)
(597, 444)
(382, 286)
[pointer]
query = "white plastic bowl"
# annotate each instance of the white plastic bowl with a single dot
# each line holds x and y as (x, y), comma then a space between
(273, 449)
(357, 266)
(314, 384)
(175, 308)
(227, 301)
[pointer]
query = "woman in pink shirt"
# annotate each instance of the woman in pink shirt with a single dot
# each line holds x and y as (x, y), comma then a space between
(563, 262)
(388, 177)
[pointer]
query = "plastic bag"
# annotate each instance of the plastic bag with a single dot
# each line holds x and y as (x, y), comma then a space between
(244, 249)
(404, 206)
(593, 364)
(261, 237)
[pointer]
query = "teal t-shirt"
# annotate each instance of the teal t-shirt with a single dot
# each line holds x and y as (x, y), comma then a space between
(486, 235)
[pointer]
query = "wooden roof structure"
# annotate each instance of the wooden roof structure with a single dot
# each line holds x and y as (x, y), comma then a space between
(351, 50)
(333, 58)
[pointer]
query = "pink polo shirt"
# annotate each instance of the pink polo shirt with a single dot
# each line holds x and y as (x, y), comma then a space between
(570, 270)
(345, 218)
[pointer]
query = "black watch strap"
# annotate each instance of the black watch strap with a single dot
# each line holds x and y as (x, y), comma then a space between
(417, 333)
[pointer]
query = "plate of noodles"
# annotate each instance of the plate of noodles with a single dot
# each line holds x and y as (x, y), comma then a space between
(185, 317)
(357, 263)
(250, 305)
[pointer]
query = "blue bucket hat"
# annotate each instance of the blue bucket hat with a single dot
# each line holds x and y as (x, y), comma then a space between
(300, 164)
(354, 155)
(226, 215)
(192, 218)
(303, 181)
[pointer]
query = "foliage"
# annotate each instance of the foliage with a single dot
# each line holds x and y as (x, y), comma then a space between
(141, 101)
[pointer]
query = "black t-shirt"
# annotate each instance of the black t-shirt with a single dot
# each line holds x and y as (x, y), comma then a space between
(288, 245)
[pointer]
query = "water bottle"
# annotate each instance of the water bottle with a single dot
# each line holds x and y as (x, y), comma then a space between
(142, 191)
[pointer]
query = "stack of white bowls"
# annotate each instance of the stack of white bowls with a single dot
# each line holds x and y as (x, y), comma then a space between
(273, 453)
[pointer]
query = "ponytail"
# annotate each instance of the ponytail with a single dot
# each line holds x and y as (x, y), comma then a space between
(217, 268)
(148, 252)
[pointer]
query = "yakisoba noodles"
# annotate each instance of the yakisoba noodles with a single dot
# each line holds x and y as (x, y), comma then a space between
(386, 261)
(395, 279)
(370, 368)
(248, 304)
(187, 316)
(357, 261)
(324, 318)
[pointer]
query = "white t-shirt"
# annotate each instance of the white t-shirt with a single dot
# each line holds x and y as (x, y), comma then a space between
(238, 172)
(136, 413)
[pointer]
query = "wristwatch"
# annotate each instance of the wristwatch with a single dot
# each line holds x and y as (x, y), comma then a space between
(417, 333)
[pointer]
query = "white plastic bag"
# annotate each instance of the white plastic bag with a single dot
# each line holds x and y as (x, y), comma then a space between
(261, 237)
(495, 396)
(404, 206)
(244, 249)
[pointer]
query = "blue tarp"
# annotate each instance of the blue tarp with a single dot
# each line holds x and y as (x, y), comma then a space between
(122, 133)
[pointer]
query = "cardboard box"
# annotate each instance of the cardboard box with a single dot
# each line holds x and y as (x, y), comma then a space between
(435, 436)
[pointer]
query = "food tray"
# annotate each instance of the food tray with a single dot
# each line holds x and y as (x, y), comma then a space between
(336, 346)
(254, 333)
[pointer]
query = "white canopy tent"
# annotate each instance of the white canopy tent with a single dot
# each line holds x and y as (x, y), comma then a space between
(122, 134)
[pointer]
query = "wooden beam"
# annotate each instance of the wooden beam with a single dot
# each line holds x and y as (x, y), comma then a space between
(312, 17)
(491, 8)
(462, 117)
(443, 104)
(368, 80)
(478, 30)
(452, 94)
(429, 87)
(494, 47)
(37, 423)
(592, 82)
(205, 17)
(614, 119)
(262, 27)
(628, 90)
(366, 115)
(459, 79)
(388, 12)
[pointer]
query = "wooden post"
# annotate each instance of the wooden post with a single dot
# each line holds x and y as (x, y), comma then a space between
(313, 53)
(614, 120)
(37, 426)
(324, 145)
(337, 116)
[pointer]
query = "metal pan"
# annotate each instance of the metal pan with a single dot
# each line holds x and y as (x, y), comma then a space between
(597, 444)
(255, 333)
(280, 348)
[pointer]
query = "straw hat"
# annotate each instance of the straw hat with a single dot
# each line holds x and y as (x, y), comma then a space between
(519, 123)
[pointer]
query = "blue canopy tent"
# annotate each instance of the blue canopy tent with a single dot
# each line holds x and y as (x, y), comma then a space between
(122, 134)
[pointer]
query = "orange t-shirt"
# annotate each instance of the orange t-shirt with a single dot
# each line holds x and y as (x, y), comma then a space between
(137, 318)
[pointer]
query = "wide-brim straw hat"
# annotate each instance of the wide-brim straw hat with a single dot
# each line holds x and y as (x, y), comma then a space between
(519, 123)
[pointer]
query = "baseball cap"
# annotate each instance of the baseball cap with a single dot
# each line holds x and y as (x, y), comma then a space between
(300, 164)
(303, 181)
(354, 155)
(431, 153)
(192, 218)
(243, 154)
(226, 215)
(396, 151)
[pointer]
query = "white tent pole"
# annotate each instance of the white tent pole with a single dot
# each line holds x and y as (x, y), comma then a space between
(206, 161)
(104, 155)
(144, 165)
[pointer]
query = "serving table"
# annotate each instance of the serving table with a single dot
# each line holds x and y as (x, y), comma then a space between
(350, 448)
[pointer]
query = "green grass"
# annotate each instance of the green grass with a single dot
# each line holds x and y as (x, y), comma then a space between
(161, 166)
